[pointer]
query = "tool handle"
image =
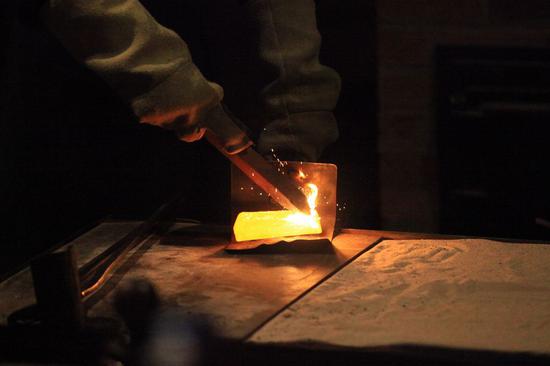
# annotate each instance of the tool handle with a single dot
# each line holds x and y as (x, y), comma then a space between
(224, 133)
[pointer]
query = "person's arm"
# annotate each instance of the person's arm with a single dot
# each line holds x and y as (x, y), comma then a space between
(147, 64)
(299, 101)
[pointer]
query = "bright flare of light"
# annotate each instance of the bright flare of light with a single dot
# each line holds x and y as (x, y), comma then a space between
(312, 198)
(274, 224)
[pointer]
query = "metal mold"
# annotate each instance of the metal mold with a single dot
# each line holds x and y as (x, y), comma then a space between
(247, 196)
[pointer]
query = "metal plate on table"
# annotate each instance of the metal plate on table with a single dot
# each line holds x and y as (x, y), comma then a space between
(468, 294)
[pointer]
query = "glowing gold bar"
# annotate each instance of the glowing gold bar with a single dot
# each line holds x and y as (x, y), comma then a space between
(274, 224)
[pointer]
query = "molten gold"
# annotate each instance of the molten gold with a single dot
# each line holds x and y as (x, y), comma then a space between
(274, 224)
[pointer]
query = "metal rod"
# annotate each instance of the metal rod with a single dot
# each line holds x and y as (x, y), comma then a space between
(94, 273)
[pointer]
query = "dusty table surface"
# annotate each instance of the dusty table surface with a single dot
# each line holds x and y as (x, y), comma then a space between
(237, 292)
(362, 292)
(459, 294)
(193, 274)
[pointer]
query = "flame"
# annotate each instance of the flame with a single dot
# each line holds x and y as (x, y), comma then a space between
(273, 224)
(312, 198)
(312, 220)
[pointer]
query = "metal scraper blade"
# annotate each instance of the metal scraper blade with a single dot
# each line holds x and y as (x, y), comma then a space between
(272, 181)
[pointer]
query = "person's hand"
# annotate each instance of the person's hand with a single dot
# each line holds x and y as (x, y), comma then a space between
(186, 132)
(225, 131)
(187, 120)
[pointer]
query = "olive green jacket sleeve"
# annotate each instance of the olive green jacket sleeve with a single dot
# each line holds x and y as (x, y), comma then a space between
(145, 63)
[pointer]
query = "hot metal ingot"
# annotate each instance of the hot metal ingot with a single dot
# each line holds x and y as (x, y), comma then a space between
(257, 209)
(274, 224)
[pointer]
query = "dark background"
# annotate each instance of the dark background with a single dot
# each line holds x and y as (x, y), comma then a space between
(443, 123)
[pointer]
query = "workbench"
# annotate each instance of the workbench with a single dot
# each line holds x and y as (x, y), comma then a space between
(373, 296)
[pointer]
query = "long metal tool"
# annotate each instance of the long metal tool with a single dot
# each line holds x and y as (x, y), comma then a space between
(278, 185)
(94, 273)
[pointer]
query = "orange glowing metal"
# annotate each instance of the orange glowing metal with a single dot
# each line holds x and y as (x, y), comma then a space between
(273, 224)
